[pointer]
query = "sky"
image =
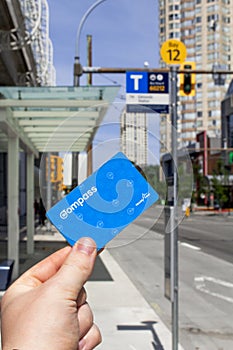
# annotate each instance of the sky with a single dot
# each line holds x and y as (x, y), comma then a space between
(124, 34)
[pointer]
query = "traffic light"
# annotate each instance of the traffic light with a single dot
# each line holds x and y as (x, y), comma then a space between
(60, 170)
(187, 79)
(56, 169)
(50, 168)
(230, 158)
(53, 169)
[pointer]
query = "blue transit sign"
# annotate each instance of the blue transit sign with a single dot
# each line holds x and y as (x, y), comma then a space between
(136, 82)
(158, 83)
(147, 92)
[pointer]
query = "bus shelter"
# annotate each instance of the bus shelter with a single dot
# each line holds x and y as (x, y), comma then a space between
(36, 120)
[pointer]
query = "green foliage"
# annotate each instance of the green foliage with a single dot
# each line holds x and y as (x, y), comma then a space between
(185, 184)
(185, 181)
(152, 175)
(220, 191)
(218, 185)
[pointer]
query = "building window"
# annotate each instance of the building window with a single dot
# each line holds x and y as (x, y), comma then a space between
(174, 8)
(174, 16)
(213, 17)
(174, 35)
(226, 19)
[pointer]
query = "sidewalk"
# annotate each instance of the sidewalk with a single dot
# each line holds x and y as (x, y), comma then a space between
(125, 318)
(204, 210)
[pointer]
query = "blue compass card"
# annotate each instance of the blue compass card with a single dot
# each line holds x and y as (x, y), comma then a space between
(104, 204)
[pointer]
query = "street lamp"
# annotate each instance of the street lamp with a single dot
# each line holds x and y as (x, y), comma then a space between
(77, 64)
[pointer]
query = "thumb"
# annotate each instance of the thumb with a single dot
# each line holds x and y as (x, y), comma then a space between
(77, 267)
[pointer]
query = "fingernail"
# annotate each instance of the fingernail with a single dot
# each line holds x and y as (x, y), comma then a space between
(85, 245)
(82, 344)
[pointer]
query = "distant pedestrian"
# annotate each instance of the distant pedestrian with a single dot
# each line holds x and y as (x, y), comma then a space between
(42, 212)
(36, 208)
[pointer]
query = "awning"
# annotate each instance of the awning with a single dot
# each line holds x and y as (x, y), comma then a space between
(53, 119)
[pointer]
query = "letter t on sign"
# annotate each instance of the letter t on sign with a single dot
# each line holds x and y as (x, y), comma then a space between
(136, 79)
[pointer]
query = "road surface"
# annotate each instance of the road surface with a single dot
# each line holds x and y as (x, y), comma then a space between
(205, 275)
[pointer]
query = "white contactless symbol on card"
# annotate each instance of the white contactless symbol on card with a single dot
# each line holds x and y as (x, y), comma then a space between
(114, 232)
(110, 175)
(100, 223)
(130, 211)
(80, 216)
(115, 202)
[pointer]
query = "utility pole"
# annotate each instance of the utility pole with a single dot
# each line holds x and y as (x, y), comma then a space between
(89, 58)
(77, 64)
(49, 188)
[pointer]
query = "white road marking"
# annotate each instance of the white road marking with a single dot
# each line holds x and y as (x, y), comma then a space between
(201, 285)
(187, 245)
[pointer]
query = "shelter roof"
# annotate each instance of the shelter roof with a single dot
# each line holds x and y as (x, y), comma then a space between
(53, 119)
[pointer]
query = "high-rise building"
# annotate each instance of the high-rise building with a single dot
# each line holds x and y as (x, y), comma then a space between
(205, 27)
(36, 22)
(134, 137)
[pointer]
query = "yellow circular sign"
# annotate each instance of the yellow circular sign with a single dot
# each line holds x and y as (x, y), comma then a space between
(173, 52)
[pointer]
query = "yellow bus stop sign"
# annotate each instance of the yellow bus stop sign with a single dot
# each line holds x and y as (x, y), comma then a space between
(173, 52)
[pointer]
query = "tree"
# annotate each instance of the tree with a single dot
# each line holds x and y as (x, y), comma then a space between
(220, 183)
(152, 175)
(220, 191)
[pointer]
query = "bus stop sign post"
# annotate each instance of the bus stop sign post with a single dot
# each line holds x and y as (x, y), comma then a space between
(173, 217)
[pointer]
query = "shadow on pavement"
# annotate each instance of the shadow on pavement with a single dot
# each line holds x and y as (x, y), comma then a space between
(146, 326)
(44, 249)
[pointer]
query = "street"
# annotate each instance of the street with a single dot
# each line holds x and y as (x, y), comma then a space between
(205, 275)
(213, 233)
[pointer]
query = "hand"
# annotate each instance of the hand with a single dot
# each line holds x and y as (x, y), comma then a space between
(46, 307)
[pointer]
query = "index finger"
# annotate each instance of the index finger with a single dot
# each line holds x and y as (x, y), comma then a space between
(45, 269)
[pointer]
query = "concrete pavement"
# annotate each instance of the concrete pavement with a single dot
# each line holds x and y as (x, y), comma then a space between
(125, 318)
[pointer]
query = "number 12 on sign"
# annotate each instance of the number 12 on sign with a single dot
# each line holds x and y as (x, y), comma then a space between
(174, 55)
(173, 52)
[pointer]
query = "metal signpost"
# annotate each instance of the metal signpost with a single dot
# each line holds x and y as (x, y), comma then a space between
(173, 52)
(174, 230)
(149, 92)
